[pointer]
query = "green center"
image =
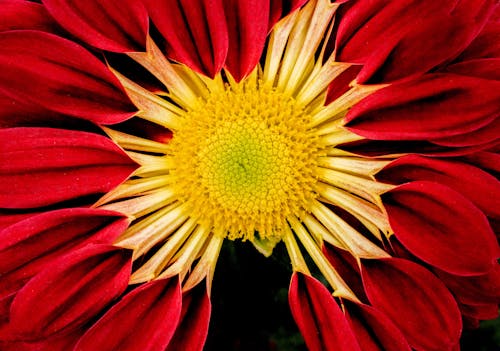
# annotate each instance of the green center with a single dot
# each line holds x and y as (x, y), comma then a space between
(244, 165)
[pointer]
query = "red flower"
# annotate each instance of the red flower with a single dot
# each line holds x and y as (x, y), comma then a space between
(137, 136)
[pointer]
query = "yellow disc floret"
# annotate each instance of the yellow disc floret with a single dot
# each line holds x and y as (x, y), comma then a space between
(244, 160)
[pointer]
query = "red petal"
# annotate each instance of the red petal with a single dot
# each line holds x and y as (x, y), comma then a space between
(431, 107)
(42, 166)
(106, 24)
(406, 26)
(415, 300)
(374, 331)
(345, 264)
(29, 246)
(469, 323)
(478, 186)
(281, 8)
(8, 217)
(487, 43)
(475, 290)
(57, 342)
(481, 136)
(193, 327)
(21, 14)
(319, 318)
(247, 23)
(62, 76)
(145, 319)
(148, 130)
(5, 302)
(489, 161)
(196, 34)
(24, 114)
(341, 84)
(486, 68)
(374, 148)
(441, 227)
(72, 290)
(481, 312)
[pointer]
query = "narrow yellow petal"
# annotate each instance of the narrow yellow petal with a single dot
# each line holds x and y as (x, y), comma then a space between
(151, 107)
(334, 279)
(134, 143)
(156, 63)
(152, 268)
(206, 265)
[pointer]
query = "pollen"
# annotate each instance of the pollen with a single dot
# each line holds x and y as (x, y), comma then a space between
(244, 160)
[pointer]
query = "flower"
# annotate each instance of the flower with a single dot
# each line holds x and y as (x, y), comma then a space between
(138, 136)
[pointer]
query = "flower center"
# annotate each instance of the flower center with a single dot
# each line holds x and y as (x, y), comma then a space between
(244, 160)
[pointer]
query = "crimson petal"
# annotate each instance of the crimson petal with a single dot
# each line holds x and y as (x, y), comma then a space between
(433, 106)
(281, 8)
(61, 76)
(57, 342)
(482, 136)
(43, 166)
(441, 227)
(374, 331)
(373, 148)
(415, 300)
(478, 186)
(345, 264)
(195, 317)
(196, 34)
(474, 290)
(319, 318)
(72, 290)
(487, 160)
(487, 43)
(21, 14)
(486, 68)
(30, 245)
(481, 312)
(8, 217)
(145, 319)
(405, 50)
(247, 23)
(119, 26)
(25, 114)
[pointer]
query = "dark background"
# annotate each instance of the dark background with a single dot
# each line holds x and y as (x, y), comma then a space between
(250, 306)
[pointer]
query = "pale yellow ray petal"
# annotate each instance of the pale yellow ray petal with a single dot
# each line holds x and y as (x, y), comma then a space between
(150, 165)
(331, 226)
(319, 81)
(153, 228)
(152, 268)
(358, 207)
(206, 265)
(277, 43)
(156, 63)
(333, 278)
(134, 187)
(151, 107)
(188, 254)
(354, 165)
(304, 40)
(366, 188)
(135, 143)
(292, 247)
(344, 102)
(139, 206)
(340, 136)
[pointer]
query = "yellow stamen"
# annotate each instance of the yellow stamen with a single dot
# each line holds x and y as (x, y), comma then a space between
(245, 160)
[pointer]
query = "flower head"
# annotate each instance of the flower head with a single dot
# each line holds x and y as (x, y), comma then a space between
(137, 137)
